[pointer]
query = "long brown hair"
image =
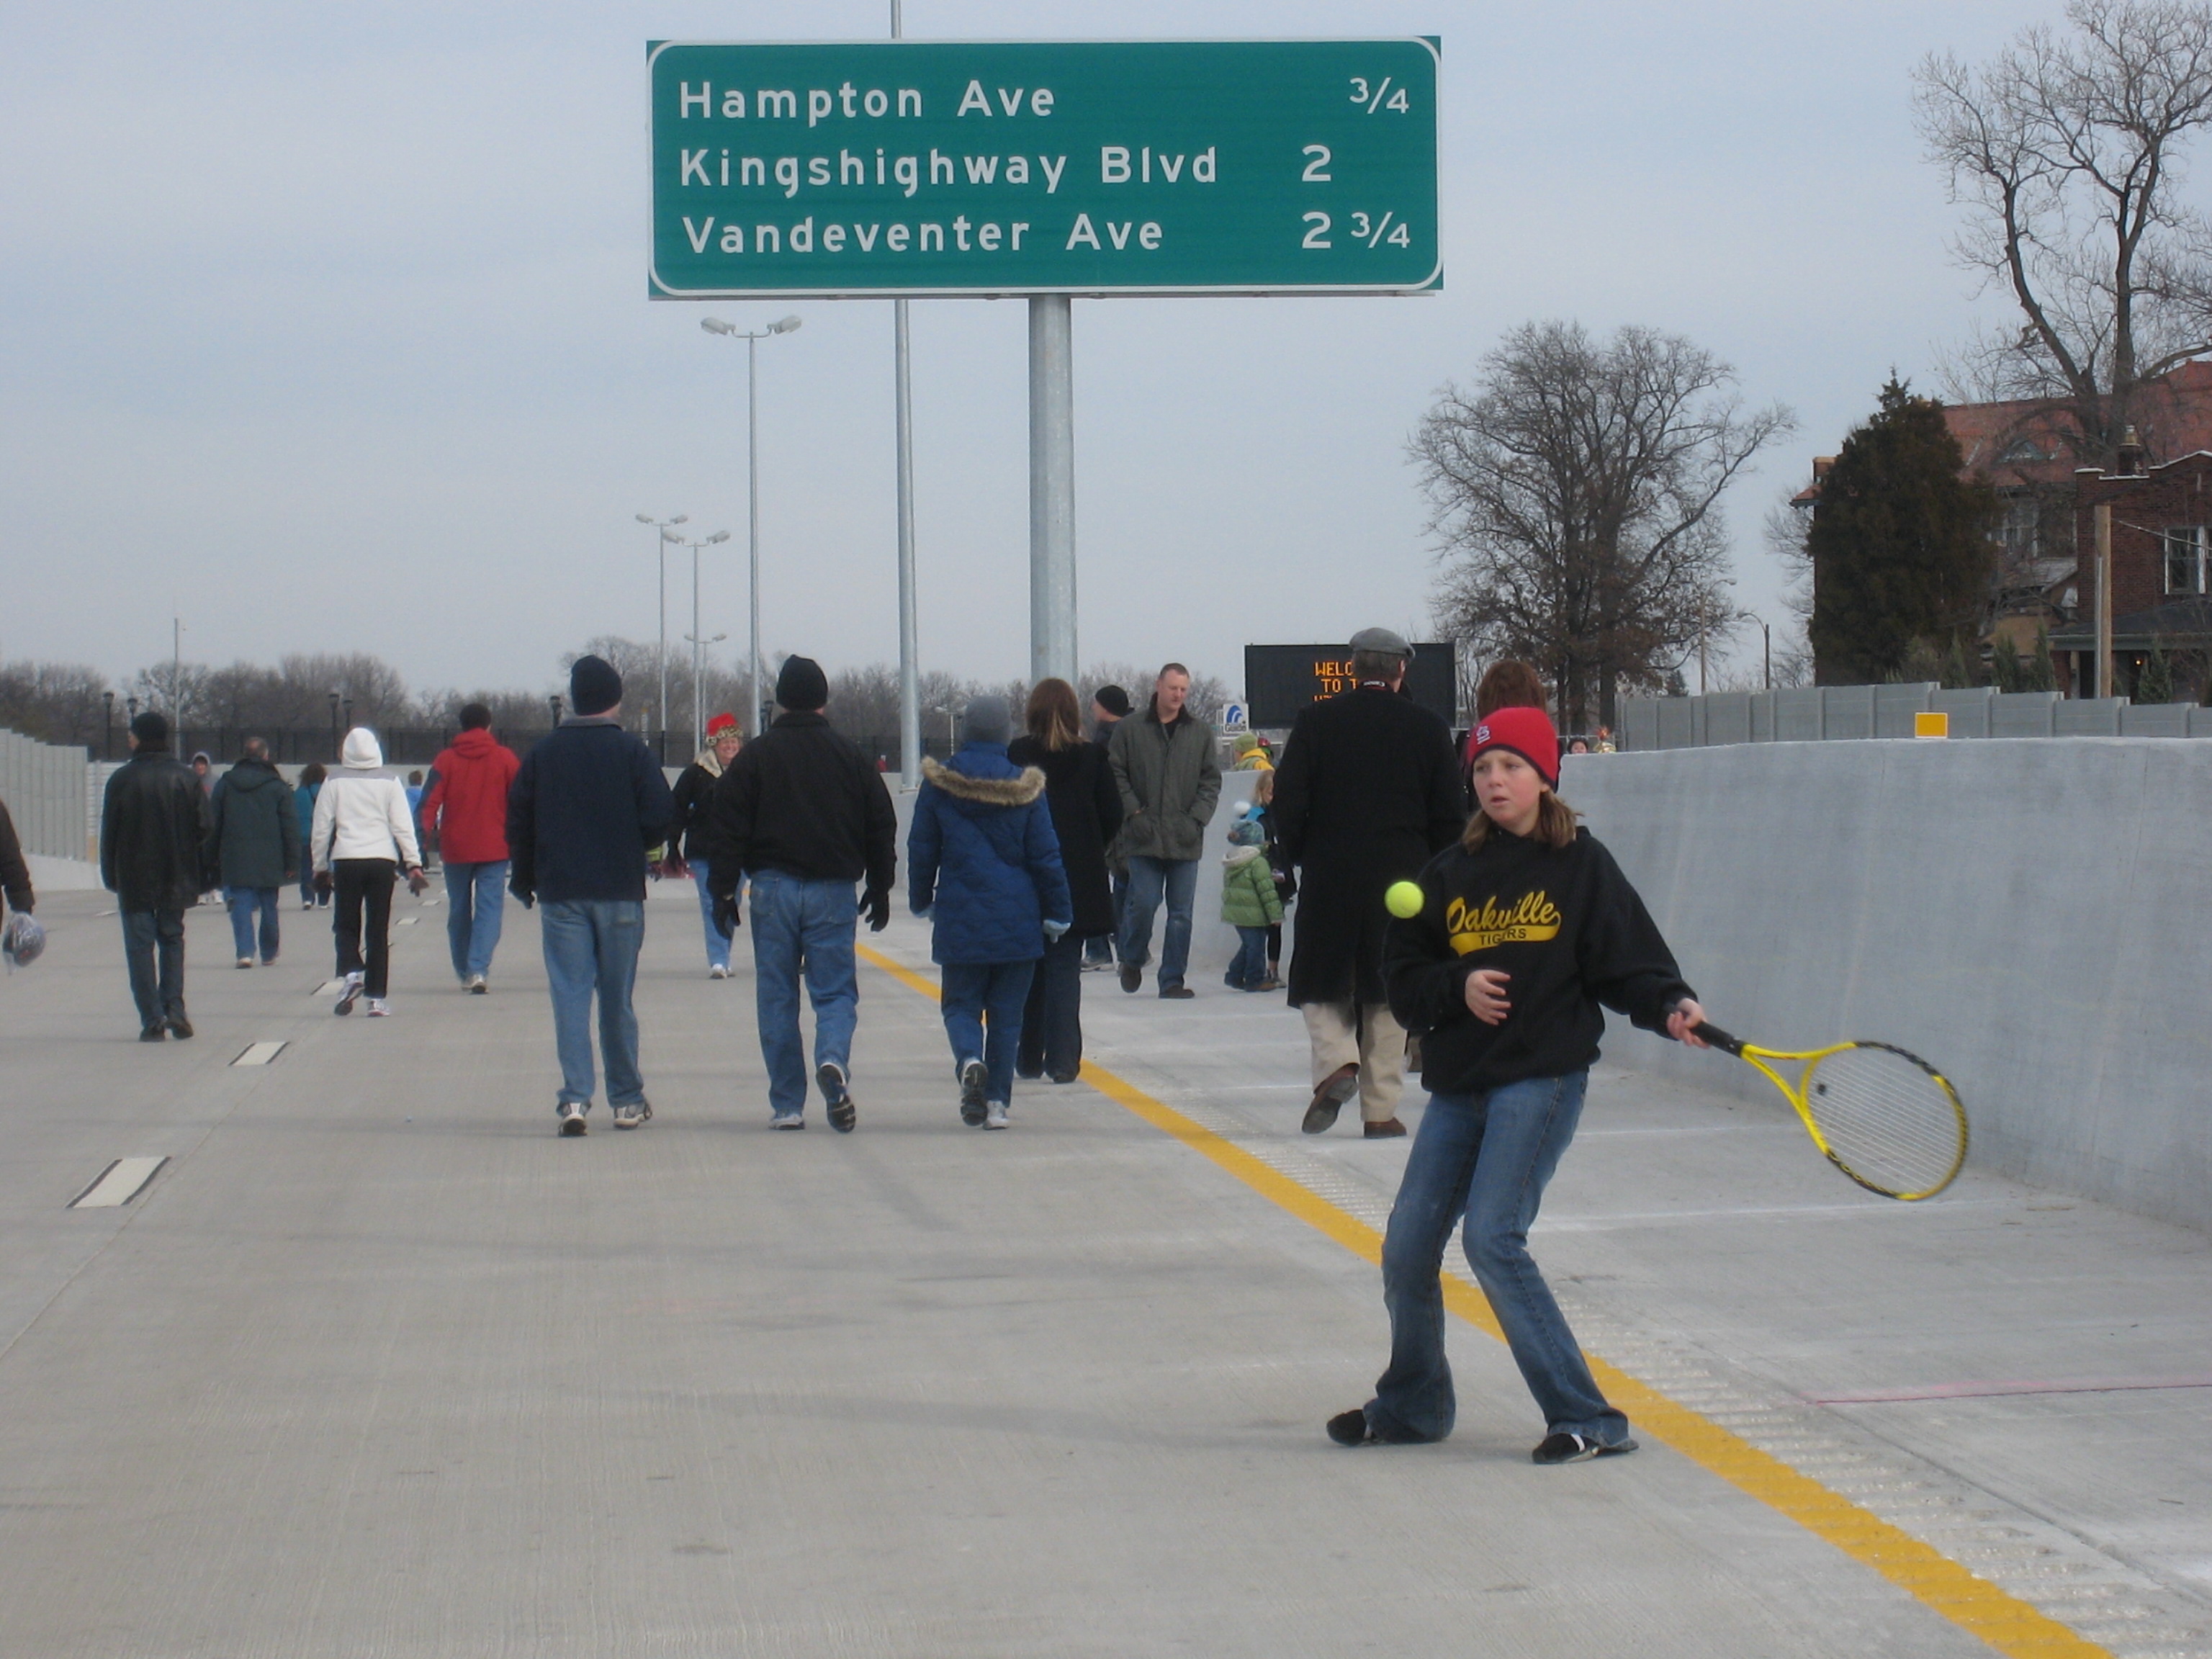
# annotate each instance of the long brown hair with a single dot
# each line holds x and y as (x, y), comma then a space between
(1508, 684)
(1052, 716)
(1555, 824)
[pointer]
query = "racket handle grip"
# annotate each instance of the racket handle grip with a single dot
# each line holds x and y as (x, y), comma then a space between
(1719, 1039)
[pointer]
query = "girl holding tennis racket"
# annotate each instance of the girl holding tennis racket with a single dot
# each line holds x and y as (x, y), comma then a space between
(1525, 928)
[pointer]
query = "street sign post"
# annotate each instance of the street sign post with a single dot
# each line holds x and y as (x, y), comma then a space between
(890, 168)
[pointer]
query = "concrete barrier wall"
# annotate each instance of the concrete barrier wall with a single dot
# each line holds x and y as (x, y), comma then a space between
(2036, 919)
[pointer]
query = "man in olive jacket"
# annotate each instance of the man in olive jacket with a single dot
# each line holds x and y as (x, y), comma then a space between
(255, 847)
(155, 825)
(1170, 777)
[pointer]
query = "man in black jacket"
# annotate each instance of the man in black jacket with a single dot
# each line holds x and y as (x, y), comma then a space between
(1368, 791)
(587, 802)
(804, 814)
(155, 826)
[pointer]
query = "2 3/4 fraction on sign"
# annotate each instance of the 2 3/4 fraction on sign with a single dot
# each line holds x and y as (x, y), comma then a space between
(1373, 230)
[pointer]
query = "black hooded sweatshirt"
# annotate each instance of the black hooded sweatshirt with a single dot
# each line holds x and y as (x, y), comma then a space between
(1562, 922)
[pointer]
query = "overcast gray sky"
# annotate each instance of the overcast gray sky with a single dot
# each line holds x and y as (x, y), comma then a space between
(326, 327)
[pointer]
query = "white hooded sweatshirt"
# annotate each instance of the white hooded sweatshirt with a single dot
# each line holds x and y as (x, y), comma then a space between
(362, 813)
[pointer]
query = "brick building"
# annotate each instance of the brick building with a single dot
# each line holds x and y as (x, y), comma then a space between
(2161, 574)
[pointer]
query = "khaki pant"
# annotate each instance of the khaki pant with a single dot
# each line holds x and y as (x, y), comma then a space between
(1362, 1035)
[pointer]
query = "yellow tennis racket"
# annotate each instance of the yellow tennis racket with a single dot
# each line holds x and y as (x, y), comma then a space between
(1886, 1118)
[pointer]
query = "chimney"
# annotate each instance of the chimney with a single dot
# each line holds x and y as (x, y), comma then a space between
(1822, 465)
(2130, 453)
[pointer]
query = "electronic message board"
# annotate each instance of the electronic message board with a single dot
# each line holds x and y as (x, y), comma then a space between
(1279, 680)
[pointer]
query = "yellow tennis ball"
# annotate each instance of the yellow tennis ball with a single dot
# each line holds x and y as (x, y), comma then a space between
(1403, 899)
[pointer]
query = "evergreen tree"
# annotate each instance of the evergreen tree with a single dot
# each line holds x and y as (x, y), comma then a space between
(2040, 674)
(1957, 676)
(2155, 679)
(2005, 666)
(1900, 545)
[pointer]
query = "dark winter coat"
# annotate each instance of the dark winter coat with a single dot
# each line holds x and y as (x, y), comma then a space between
(1367, 790)
(1170, 778)
(802, 799)
(154, 822)
(464, 798)
(983, 858)
(14, 872)
(1086, 813)
(587, 802)
(255, 842)
(1564, 923)
(692, 835)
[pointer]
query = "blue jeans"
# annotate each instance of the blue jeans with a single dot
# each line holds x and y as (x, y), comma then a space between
(153, 955)
(243, 903)
(1150, 880)
(591, 944)
(982, 1002)
(1487, 1157)
(1249, 967)
(802, 927)
(1052, 1019)
(718, 941)
(476, 906)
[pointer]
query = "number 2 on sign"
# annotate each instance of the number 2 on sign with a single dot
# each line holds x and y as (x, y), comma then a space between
(1375, 99)
(1318, 236)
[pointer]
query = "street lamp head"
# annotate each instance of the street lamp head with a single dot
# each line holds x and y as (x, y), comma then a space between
(716, 325)
(681, 518)
(667, 535)
(719, 536)
(783, 327)
(646, 517)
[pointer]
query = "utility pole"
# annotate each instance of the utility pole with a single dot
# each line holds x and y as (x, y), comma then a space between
(909, 630)
(1052, 488)
(2102, 514)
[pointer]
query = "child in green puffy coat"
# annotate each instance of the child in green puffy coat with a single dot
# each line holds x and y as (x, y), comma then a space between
(1249, 903)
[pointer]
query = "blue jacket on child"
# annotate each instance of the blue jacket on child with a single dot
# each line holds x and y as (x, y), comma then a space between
(983, 859)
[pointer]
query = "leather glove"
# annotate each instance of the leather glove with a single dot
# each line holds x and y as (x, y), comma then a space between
(418, 883)
(726, 920)
(876, 908)
(324, 884)
(523, 891)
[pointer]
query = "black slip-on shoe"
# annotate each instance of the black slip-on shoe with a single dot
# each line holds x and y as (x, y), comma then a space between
(1351, 1428)
(157, 1032)
(1178, 993)
(1132, 977)
(1565, 1447)
(179, 1027)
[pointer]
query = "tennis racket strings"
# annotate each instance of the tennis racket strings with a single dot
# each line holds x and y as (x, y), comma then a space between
(1886, 1118)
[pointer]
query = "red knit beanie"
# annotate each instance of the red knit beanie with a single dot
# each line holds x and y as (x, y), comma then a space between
(722, 725)
(1528, 732)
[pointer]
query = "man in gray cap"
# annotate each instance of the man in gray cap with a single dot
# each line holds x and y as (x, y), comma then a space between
(1367, 792)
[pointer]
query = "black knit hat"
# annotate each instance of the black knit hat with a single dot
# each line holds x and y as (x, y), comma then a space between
(802, 686)
(1114, 700)
(593, 685)
(151, 727)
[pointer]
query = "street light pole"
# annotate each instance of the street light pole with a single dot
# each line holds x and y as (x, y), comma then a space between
(698, 729)
(660, 550)
(730, 331)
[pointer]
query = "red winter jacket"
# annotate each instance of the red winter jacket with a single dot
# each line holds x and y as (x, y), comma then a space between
(466, 800)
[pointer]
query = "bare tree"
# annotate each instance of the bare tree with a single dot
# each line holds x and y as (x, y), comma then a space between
(2067, 152)
(1575, 491)
(54, 701)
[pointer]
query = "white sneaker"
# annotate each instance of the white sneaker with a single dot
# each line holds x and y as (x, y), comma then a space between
(572, 1118)
(477, 986)
(245, 961)
(718, 971)
(994, 1115)
(378, 1008)
(349, 995)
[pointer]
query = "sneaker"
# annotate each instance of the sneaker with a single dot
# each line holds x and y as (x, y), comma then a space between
(1270, 983)
(1064, 1077)
(1177, 993)
(1132, 977)
(350, 995)
(157, 1032)
(269, 960)
(839, 1095)
(477, 986)
(718, 970)
(179, 1027)
(572, 1118)
(1563, 1447)
(994, 1115)
(1351, 1428)
(1328, 1097)
(245, 961)
(787, 1120)
(1388, 1129)
(973, 1078)
(629, 1116)
(378, 1008)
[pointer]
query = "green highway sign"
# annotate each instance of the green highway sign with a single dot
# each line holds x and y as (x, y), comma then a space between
(1011, 168)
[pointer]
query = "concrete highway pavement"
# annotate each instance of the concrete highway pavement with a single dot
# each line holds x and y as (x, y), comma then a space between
(379, 1364)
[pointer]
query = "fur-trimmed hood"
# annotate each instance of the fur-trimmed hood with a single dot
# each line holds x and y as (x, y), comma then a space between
(1019, 790)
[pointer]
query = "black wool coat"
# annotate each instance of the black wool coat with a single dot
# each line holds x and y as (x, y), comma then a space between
(155, 826)
(1367, 792)
(1086, 815)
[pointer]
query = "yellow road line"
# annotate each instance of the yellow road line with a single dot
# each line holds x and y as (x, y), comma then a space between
(2007, 1623)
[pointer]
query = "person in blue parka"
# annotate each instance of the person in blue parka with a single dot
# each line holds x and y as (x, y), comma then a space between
(984, 864)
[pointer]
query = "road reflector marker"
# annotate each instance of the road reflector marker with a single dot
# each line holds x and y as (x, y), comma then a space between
(259, 1054)
(118, 1183)
(408, 922)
